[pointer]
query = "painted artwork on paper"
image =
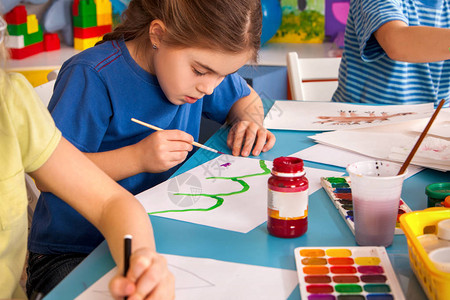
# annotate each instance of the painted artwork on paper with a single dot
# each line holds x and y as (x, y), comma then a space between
(227, 192)
(433, 150)
(199, 278)
(352, 117)
(323, 116)
(303, 21)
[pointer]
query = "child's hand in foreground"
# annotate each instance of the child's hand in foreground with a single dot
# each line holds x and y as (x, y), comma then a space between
(148, 278)
(245, 135)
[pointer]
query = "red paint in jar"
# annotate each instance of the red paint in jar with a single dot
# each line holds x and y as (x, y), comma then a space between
(287, 207)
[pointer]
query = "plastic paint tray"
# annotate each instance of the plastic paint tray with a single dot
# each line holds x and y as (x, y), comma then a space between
(435, 283)
(340, 194)
(361, 272)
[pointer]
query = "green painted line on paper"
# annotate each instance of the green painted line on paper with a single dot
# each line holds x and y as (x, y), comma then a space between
(218, 197)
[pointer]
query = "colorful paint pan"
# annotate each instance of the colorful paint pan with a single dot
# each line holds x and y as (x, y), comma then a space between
(346, 273)
(340, 192)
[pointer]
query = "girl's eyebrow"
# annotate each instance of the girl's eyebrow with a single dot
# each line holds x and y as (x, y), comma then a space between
(211, 70)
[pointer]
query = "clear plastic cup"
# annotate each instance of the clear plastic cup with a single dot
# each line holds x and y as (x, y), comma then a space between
(376, 190)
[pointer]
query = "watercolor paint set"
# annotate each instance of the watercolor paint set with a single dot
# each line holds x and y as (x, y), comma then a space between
(340, 192)
(346, 273)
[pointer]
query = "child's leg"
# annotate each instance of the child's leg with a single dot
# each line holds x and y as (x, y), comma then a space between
(46, 271)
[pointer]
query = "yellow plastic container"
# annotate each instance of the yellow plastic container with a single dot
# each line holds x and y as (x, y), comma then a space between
(435, 283)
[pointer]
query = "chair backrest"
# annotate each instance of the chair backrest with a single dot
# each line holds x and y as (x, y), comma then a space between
(312, 79)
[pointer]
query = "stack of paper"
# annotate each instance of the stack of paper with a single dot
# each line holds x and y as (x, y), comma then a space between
(395, 141)
(386, 132)
(339, 157)
(323, 116)
(433, 152)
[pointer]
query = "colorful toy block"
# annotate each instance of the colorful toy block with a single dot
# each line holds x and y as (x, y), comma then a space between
(34, 38)
(20, 29)
(91, 20)
(104, 19)
(15, 41)
(96, 31)
(87, 8)
(75, 5)
(82, 44)
(85, 14)
(104, 12)
(27, 51)
(17, 15)
(104, 7)
(25, 36)
(51, 42)
(32, 24)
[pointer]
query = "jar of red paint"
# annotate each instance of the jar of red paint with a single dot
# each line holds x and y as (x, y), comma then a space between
(287, 205)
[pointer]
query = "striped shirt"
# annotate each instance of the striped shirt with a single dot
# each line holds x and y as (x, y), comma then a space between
(368, 75)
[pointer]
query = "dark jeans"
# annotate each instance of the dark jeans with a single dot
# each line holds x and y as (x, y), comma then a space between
(46, 271)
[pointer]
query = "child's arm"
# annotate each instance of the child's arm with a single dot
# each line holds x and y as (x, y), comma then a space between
(246, 117)
(115, 212)
(157, 153)
(416, 44)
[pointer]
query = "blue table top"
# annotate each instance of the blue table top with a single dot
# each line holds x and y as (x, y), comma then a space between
(325, 228)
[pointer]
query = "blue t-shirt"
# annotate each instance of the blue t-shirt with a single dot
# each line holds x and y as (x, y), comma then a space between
(96, 94)
(368, 75)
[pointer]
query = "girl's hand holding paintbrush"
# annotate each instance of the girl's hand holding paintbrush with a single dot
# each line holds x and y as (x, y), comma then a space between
(247, 136)
(163, 150)
(156, 153)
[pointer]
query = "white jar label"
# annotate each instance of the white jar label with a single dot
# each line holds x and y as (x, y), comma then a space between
(289, 205)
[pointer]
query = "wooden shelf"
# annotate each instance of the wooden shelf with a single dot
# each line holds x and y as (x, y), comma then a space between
(42, 61)
(271, 54)
(274, 54)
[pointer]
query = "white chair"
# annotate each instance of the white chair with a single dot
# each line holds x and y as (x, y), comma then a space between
(312, 79)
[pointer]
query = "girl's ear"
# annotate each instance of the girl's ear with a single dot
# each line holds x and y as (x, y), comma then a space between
(157, 30)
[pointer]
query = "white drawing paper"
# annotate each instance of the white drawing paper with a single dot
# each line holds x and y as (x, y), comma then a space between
(339, 157)
(202, 278)
(227, 192)
(432, 150)
(440, 127)
(391, 142)
(323, 116)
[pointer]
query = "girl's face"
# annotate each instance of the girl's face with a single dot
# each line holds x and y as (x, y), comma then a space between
(186, 75)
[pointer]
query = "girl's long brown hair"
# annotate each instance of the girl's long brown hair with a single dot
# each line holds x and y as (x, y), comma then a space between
(225, 25)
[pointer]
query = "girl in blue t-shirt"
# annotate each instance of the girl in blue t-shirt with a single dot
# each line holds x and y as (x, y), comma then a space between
(31, 144)
(396, 52)
(168, 63)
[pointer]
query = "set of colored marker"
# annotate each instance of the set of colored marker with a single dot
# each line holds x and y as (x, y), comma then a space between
(346, 273)
(340, 192)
